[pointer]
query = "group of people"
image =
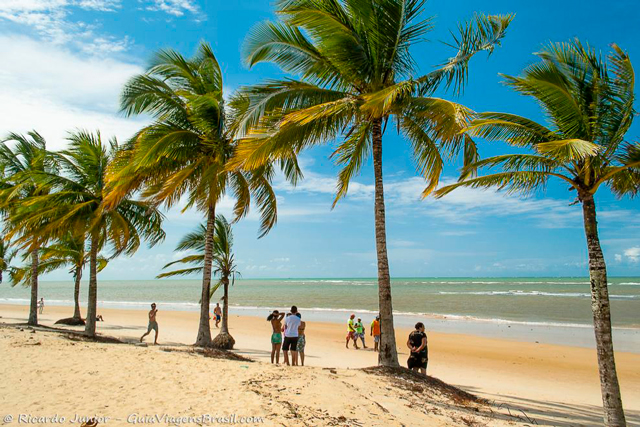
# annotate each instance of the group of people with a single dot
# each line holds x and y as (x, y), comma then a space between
(417, 342)
(294, 336)
(356, 330)
(294, 341)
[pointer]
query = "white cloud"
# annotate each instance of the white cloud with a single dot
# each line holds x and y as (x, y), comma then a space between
(175, 7)
(74, 92)
(633, 254)
(618, 257)
(51, 20)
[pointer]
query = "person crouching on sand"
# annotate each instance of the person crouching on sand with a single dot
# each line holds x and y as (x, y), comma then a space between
(375, 332)
(276, 336)
(291, 325)
(417, 343)
(351, 332)
(152, 324)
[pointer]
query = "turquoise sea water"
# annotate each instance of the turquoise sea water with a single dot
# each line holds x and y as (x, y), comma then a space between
(521, 300)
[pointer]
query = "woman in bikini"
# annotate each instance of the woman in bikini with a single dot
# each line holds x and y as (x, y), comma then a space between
(302, 341)
(276, 337)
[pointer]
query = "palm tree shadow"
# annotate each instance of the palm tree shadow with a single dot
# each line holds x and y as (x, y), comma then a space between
(551, 413)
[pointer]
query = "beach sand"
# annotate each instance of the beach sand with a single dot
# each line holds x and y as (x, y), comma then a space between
(551, 384)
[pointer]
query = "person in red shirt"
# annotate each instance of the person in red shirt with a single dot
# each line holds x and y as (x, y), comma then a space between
(375, 332)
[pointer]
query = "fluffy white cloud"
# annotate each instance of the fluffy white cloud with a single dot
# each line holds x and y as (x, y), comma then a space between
(633, 254)
(174, 7)
(51, 90)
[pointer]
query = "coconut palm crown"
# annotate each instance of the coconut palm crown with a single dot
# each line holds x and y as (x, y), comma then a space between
(589, 105)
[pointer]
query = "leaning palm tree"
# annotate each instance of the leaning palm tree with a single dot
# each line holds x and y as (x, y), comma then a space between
(69, 252)
(223, 266)
(183, 154)
(76, 204)
(357, 74)
(589, 105)
(20, 157)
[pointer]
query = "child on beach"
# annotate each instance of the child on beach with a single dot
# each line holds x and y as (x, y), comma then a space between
(152, 324)
(351, 332)
(375, 332)
(41, 305)
(417, 344)
(276, 336)
(302, 341)
(360, 332)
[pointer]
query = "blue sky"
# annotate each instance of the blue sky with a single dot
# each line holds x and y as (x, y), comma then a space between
(64, 63)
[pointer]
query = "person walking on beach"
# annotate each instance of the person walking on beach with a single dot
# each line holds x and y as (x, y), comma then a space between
(152, 324)
(302, 341)
(360, 332)
(417, 344)
(276, 336)
(217, 312)
(351, 332)
(41, 305)
(375, 332)
(291, 325)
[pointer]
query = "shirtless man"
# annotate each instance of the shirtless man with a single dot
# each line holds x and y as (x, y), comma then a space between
(152, 324)
(276, 337)
(218, 313)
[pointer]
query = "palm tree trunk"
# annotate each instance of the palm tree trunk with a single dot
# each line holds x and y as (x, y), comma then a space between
(611, 398)
(388, 355)
(76, 293)
(92, 305)
(204, 329)
(33, 309)
(225, 306)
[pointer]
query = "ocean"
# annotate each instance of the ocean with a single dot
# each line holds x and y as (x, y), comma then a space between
(540, 301)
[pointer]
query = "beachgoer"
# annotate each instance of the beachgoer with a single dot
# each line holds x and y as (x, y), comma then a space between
(291, 324)
(375, 332)
(276, 336)
(360, 331)
(302, 341)
(351, 332)
(99, 318)
(152, 324)
(41, 305)
(417, 343)
(217, 312)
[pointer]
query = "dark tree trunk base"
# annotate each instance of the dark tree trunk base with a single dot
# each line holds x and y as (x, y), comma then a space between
(71, 321)
(223, 341)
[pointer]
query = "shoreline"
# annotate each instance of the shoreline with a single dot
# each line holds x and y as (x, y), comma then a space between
(554, 382)
(626, 338)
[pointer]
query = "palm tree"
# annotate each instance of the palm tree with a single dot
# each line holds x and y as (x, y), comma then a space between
(589, 105)
(356, 74)
(28, 156)
(76, 204)
(223, 265)
(184, 152)
(69, 251)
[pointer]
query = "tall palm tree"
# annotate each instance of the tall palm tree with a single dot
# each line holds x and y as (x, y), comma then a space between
(26, 155)
(357, 74)
(69, 251)
(184, 152)
(223, 266)
(76, 203)
(589, 106)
